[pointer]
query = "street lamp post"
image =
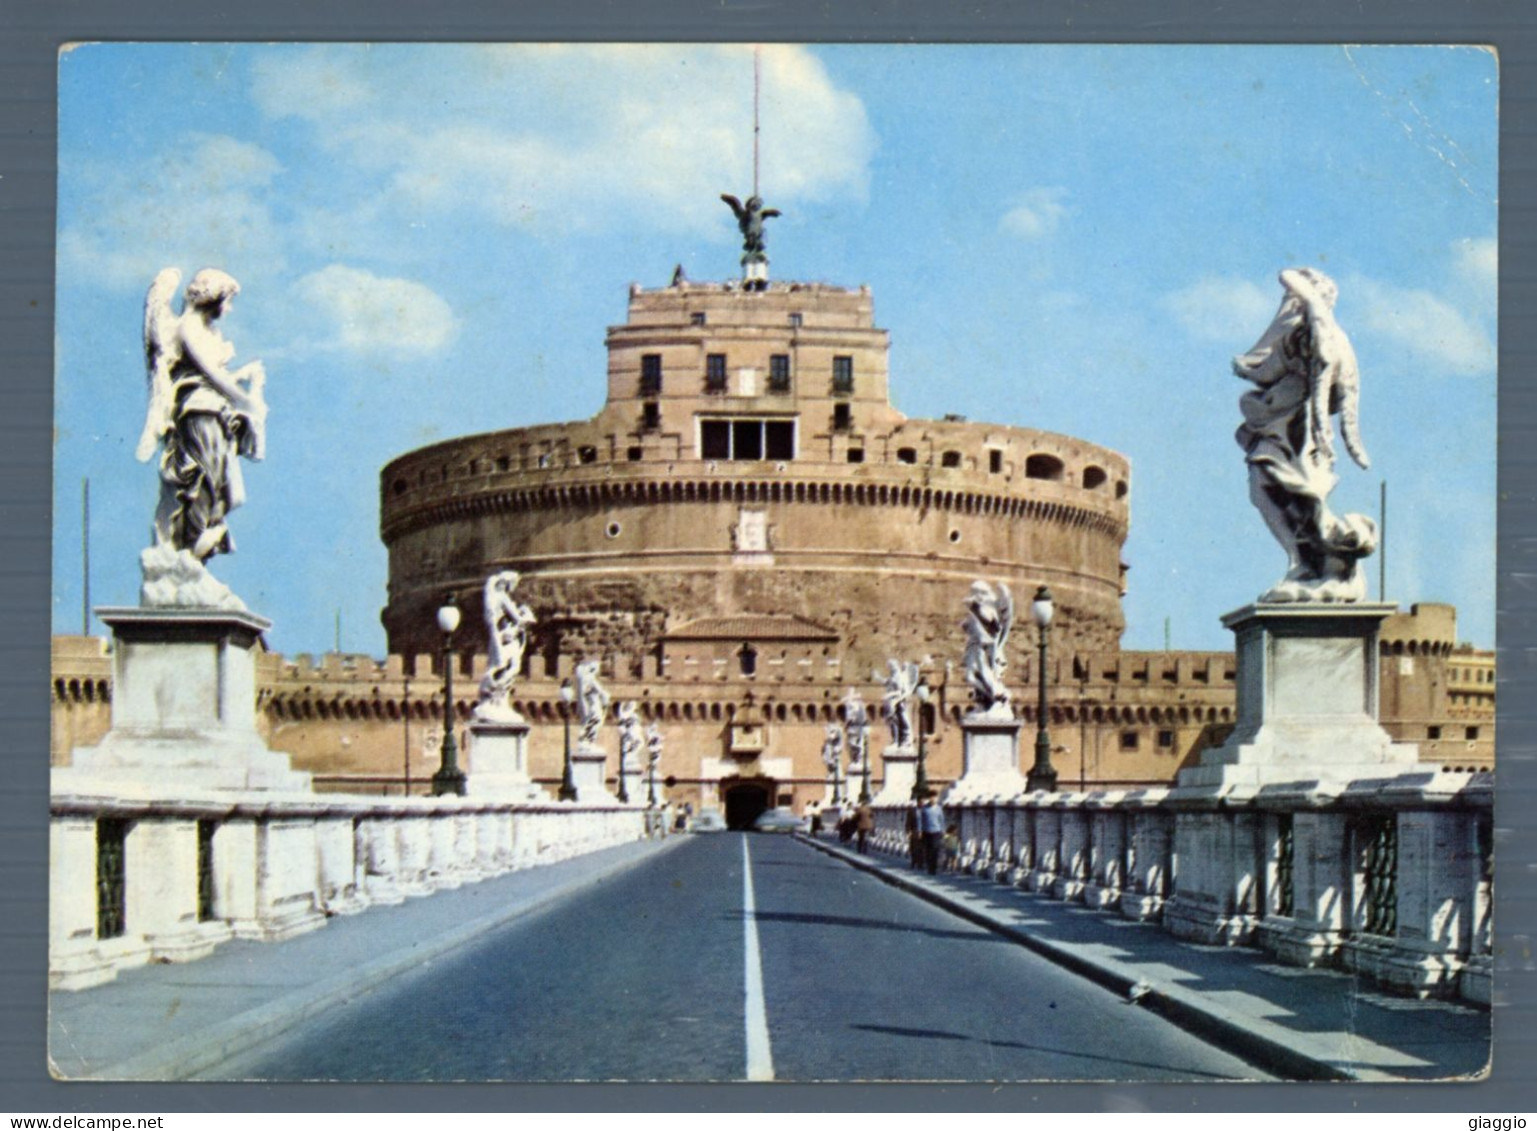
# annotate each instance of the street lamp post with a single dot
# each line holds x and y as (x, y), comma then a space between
(567, 782)
(864, 757)
(449, 778)
(921, 778)
(1041, 775)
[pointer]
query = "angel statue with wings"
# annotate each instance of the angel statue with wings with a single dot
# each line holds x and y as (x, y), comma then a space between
(202, 416)
(989, 616)
(507, 625)
(749, 220)
(901, 684)
(592, 700)
(1306, 374)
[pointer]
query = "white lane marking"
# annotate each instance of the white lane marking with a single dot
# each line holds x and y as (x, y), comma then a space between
(760, 1059)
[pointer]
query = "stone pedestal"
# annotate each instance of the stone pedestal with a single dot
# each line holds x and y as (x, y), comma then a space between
(899, 766)
(1307, 702)
(499, 761)
(990, 757)
(589, 765)
(183, 707)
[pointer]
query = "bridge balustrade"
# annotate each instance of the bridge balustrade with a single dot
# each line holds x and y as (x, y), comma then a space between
(136, 881)
(1389, 877)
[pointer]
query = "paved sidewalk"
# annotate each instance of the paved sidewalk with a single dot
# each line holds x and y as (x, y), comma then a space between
(1294, 1022)
(166, 1022)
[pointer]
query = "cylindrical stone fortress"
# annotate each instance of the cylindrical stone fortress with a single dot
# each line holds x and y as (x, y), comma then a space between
(748, 468)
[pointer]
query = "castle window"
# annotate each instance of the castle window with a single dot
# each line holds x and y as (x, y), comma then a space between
(1432, 733)
(747, 439)
(715, 373)
(907, 455)
(696, 318)
(1472, 733)
(650, 416)
(950, 459)
(795, 321)
(650, 374)
(633, 454)
(503, 463)
(1128, 740)
(1120, 488)
(856, 455)
(779, 439)
(587, 454)
(747, 658)
(841, 418)
(843, 375)
(1094, 478)
(612, 530)
(1043, 467)
(401, 487)
(715, 439)
(994, 461)
(1165, 739)
(779, 373)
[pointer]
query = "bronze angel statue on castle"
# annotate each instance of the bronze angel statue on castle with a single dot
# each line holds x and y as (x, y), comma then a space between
(203, 418)
(1306, 374)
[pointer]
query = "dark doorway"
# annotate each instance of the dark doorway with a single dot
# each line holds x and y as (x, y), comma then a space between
(745, 800)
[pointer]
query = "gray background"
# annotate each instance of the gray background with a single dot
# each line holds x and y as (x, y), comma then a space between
(30, 34)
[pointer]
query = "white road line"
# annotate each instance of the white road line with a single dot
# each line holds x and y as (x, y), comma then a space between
(760, 1059)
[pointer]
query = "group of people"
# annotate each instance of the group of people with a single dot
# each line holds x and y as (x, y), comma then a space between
(932, 844)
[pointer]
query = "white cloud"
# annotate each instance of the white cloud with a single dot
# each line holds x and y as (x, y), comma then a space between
(577, 136)
(1038, 213)
(1477, 261)
(1222, 309)
(199, 203)
(1434, 333)
(359, 312)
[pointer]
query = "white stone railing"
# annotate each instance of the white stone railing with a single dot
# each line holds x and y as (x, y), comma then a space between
(1391, 877)
(135, 881)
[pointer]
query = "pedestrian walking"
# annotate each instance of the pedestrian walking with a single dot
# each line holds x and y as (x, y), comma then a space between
(931, 828)
(864, 824)
(952, 847)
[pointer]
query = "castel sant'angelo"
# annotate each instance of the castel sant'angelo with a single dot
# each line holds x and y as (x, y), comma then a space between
(746, 531)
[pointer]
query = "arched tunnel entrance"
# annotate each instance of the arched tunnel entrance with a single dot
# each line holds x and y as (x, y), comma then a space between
(745, 798)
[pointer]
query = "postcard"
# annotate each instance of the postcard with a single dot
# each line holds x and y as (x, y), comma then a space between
(841, 562)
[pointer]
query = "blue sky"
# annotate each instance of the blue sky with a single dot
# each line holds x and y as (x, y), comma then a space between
(432, 239)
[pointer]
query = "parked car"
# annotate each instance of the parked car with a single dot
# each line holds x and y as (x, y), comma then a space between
(780, 821)
(709, 821)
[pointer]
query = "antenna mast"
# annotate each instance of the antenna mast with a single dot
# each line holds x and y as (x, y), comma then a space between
(757, 63)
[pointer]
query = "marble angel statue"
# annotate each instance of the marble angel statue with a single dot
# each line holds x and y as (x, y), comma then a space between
(631, 736)
(856, 726)
(592, 701)
(832, 749)
(1305, 374)
(989, 616)
(507, 625)
(901, 684)
(203, 417)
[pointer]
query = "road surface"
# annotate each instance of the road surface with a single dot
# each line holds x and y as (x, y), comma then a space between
(739, 957)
